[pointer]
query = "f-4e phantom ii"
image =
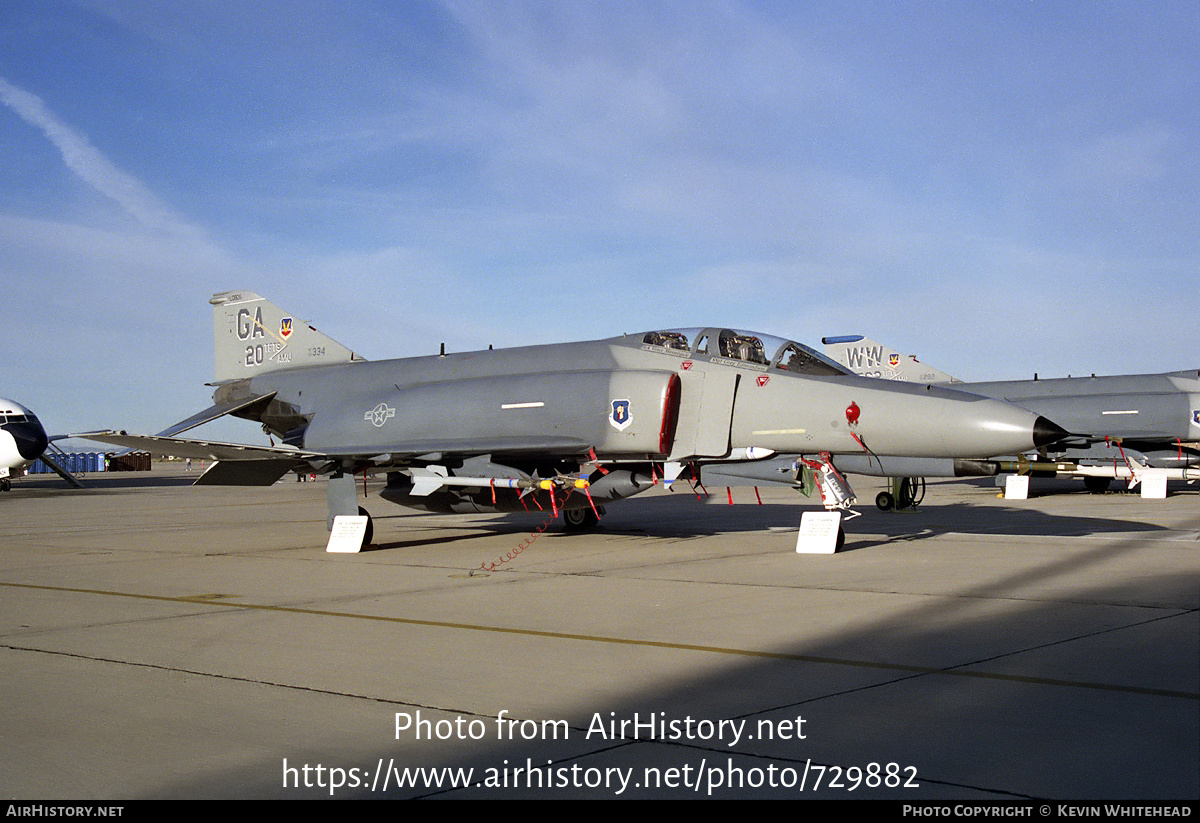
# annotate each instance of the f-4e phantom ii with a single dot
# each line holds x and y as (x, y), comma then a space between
(1121, 425)
(561, 427)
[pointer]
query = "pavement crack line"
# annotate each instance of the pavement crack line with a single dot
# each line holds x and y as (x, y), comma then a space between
(951, 671)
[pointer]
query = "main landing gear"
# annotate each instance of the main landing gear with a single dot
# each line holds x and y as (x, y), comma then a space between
(370, 530)
(581, 520)
(342, 499)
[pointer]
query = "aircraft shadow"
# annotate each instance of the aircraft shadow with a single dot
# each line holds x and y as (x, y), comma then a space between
(672, 518)
(981, 704)
(53, 485)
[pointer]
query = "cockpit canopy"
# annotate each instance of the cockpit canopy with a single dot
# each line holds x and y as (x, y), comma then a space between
(747, 347)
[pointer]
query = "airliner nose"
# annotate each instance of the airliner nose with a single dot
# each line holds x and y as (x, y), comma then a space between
(1046, 432)
(30, 438)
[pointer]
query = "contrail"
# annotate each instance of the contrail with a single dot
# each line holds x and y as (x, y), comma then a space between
(93, 167)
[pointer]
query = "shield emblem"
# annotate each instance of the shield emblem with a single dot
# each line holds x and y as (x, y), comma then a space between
(285, 328)
(893, 359)
(621, 415)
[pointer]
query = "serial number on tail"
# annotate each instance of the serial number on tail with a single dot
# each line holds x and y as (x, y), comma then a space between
(260, 353)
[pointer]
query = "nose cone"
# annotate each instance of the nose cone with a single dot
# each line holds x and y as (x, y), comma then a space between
(940, 422)
(994, 427)
(1046, 432)
(24, 428)
(30, 438)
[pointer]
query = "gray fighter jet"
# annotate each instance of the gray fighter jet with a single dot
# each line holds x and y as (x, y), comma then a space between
(1121, 425)
(564, 427)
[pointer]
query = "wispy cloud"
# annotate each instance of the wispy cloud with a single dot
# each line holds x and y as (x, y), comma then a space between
(1132, 156)
(90, 164)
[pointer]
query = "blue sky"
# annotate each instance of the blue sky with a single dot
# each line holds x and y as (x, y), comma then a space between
(997, 187)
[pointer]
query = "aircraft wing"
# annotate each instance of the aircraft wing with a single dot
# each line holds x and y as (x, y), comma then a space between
(469, 447)
(196, 449)
(237, 464)
(213, 450)
(234, 464)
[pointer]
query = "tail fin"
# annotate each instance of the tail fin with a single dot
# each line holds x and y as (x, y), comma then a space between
(251, 335)
(871, 359)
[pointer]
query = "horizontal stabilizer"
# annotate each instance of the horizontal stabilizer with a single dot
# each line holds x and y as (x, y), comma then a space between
(212, 413)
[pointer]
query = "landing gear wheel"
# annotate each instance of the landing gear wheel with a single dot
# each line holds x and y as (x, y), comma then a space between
(5, 485)
(1097, 485)
(841, 540)
(578, 520)
(370, 530)
(885, 501)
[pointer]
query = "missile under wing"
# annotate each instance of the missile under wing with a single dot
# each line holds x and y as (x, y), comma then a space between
(567, 426)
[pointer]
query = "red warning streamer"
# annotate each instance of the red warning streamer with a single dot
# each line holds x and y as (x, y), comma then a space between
(528, 541)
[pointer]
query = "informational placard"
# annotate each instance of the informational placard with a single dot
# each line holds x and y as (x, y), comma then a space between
(347, 534)
(818, 532)
(1154, 484)
(1016, 487)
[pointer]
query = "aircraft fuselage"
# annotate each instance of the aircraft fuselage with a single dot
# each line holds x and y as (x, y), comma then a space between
(1132, 406)
(22, 438)
(624, 399)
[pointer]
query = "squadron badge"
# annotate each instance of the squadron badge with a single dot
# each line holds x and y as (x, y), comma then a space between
(285, 328)
(621, 415)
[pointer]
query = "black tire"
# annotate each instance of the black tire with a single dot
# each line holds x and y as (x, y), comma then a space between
(369, 533)
(841, 540)
(1097, 485)
(579, 520)
(5, 484)
(885, 501)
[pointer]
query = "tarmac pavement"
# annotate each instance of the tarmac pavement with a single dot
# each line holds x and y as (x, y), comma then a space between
(163, 641)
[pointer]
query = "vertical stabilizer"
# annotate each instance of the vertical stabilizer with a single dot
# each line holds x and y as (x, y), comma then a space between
(871, 359)
(251, 335)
